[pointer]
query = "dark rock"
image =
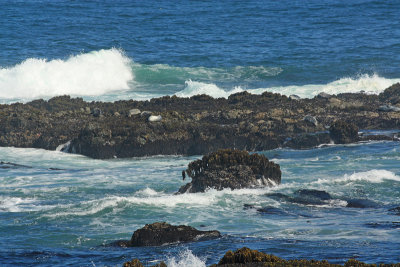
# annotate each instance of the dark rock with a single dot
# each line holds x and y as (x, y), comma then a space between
(391, 94)
(272, 211)
(324, 95)
(137, 263)
(361, 203)
(313, 193)
(342, 132)
(97, 112)
(232, 169)
(303, 197)
(307, 141)
(158, 234)
(245, 257)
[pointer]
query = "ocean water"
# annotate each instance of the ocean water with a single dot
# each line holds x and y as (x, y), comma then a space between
(63, 209)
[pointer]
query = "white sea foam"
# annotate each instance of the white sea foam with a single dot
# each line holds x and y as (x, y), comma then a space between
(370, 84)
(185, 258)
(93, 73)
(198, 88)
(372, 176)
(17, 204)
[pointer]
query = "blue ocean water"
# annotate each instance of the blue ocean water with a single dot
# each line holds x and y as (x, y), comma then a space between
(111, 50)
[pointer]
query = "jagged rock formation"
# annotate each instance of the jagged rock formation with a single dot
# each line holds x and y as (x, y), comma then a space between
(190, 126)
(162, 233)
(232, 169)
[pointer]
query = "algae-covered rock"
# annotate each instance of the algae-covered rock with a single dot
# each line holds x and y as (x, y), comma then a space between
(342, 132)
(232, 169)
(161, 233)
(137, 263)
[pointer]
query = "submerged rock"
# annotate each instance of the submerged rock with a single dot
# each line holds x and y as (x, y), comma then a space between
(361, 203)
(10, 165)
(304, 197)
(342, 132)
(161, 233)
(232, 169)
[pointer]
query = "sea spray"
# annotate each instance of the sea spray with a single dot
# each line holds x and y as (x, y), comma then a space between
(93, 73)
(184, 259)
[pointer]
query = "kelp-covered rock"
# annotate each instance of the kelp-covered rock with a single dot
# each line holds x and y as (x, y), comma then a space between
(234, 169)
(137, 263)
(342, 132)
(245, 257)
(161, 233)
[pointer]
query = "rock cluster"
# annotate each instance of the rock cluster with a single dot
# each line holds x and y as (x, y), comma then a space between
(232, 169)
(190, 126)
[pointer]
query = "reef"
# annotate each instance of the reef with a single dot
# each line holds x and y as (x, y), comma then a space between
(162, 233)
(245, 257)
(234, 169)
(194, 126)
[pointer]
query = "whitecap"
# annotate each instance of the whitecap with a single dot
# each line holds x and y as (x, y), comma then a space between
(89, 74)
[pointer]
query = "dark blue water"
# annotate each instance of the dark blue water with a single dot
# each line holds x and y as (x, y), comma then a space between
(141, 49)
(313, 41)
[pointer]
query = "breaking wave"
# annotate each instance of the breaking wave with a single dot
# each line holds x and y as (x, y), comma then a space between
(93, 73)
(369, 84)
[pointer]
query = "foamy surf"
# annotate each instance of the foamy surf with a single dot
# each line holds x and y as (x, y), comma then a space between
(93, 73)
(369, 84)
(371, 176)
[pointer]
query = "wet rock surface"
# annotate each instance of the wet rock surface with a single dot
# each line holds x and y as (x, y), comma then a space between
(232, 169)
(245, 257)
(162, 233)
(342, 132)
(190, 126)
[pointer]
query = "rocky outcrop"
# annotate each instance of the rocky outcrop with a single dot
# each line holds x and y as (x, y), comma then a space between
(189, 126)
(232, 169)
(245, 257)
(137, 263)
(162, 233)
(342, 132)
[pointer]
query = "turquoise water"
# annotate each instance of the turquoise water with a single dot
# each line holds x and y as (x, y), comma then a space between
(62, 209)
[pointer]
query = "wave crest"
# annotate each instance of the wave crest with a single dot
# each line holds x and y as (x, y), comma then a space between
(93, 73)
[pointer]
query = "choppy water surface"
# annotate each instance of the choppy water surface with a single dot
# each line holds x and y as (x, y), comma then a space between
(133, 49)
(71, 212)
